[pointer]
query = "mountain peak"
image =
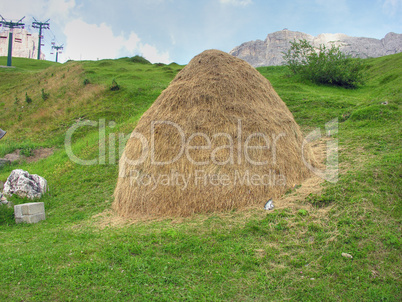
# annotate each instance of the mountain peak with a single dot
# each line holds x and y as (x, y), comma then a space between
(270, 51)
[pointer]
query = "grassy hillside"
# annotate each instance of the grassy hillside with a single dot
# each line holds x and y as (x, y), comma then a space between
(82, 252)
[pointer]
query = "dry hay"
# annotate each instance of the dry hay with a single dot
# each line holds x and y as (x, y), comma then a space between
(222, 105)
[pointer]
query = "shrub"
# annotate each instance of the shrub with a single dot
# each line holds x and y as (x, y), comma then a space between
(114, 86)
(27, 98)
(324, 65)
(26, 151)
(45, 95)
(86, 82)
(139, 59)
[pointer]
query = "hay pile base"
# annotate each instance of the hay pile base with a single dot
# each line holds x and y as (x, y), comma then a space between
(249, 146)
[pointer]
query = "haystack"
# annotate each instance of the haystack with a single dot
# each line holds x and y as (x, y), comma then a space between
(218, 138)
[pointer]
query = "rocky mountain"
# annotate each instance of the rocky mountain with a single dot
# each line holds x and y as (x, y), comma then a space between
(270, 51)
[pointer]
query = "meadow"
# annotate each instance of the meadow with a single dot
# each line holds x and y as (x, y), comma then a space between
(82, 251)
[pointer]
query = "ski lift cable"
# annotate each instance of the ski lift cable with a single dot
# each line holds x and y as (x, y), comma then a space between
(54, 37)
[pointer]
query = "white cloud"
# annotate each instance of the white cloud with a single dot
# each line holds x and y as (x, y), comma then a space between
(392, 7)
(132, 42)
(153, 55)
(236, 2)
(90, 42)
(56, 10)
(60, 9)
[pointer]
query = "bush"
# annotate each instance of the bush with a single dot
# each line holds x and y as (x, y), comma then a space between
(114, 86)
(324, 65)
(26, 151)
(27, 98)
(45, 95)
(139, 59)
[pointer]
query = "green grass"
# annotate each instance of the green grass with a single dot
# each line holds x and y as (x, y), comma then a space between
(23, 64)
(237, 256)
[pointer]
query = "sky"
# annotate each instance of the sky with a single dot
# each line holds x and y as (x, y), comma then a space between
(176, 30)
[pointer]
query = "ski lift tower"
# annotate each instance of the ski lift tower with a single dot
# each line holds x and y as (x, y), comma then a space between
(11, 25)
(58, 50)
(40, 25)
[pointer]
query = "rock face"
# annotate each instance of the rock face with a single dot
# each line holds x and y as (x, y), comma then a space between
(23, 184)
(270, 51)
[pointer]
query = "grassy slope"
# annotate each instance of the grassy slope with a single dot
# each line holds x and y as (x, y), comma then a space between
(207, 257)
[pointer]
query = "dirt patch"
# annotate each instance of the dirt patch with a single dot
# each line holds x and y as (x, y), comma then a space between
(40, 154)
(12, 157)
(37, 154)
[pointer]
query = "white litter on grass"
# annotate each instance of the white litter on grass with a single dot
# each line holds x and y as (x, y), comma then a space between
(269, 205)
(346, 255)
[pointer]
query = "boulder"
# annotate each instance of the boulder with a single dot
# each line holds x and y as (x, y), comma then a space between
(23, 184)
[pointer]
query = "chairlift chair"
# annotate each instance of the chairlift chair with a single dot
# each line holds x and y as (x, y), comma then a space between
(3, 34)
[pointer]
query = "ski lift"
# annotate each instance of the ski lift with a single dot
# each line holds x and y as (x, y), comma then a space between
(3, 34)
(42, 45)
(18, 37)
(52, 53)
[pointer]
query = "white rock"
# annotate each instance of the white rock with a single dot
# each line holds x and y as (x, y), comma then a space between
(23, 184)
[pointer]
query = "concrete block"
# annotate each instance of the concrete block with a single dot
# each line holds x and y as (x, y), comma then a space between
(34, 218)
(29, 212)
(18, 211)
(32, 208)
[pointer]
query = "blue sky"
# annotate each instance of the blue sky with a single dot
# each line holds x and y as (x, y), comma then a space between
(177, 30)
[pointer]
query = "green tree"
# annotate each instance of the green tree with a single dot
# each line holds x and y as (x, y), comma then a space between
(324, 65)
